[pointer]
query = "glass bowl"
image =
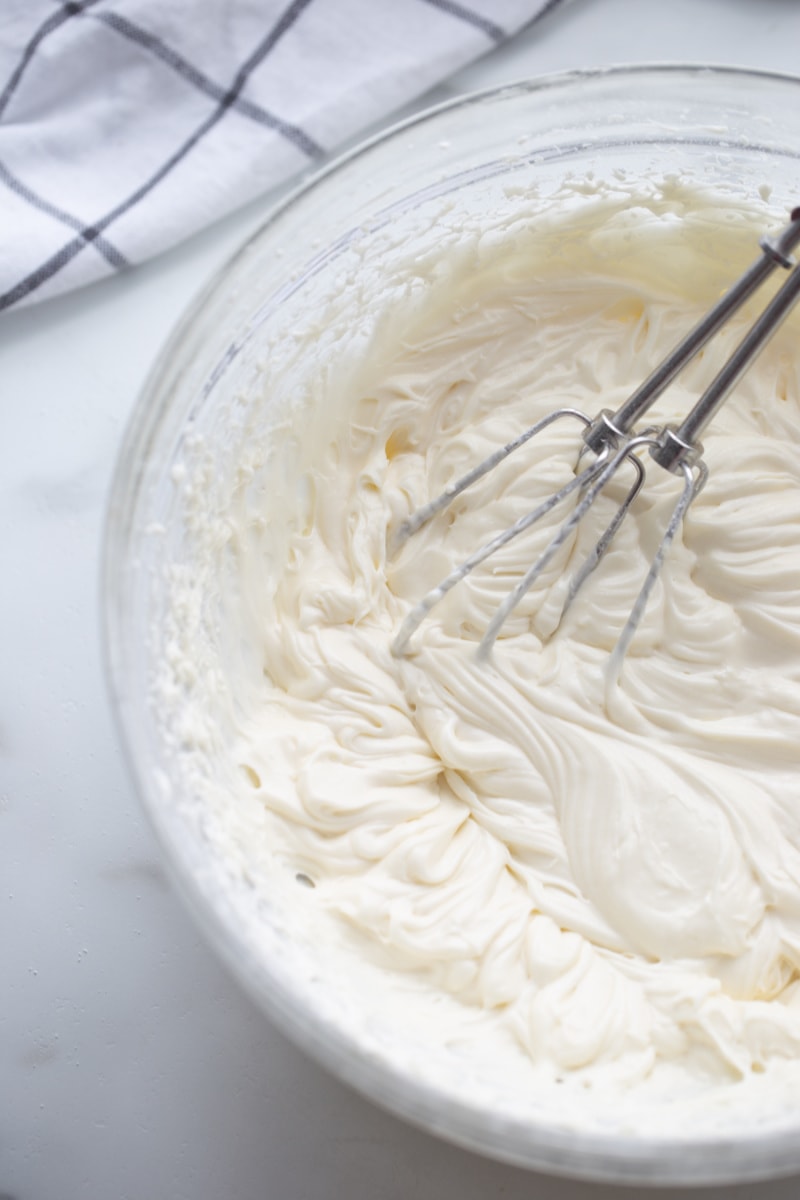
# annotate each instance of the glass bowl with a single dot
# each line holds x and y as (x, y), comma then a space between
(733, 130)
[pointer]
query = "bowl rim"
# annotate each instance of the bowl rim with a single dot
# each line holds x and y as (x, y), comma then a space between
(638, 1159)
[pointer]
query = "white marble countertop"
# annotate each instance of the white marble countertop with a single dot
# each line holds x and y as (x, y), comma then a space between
(131, 1065)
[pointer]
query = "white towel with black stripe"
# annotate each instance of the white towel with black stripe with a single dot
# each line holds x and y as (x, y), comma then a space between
(126, 125)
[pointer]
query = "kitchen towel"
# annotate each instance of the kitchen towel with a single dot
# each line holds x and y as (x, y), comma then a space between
(126, 125)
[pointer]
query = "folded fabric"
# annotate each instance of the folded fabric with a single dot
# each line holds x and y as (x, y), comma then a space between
(126, 126)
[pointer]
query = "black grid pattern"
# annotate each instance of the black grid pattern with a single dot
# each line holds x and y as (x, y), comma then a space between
(223, 126)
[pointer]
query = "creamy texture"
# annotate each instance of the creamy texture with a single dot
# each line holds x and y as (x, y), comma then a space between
(600, 880)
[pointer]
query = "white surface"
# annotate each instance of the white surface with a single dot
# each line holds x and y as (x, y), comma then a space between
(130, 1064)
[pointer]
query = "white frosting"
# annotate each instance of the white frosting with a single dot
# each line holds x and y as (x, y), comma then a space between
(592, 882)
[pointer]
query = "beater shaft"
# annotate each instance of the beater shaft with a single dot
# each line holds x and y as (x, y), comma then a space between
(608, 427)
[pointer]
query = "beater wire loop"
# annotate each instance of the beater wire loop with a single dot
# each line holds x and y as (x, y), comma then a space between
(600, 479)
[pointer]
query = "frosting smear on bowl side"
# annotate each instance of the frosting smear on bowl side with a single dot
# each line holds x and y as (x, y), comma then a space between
(597, 882)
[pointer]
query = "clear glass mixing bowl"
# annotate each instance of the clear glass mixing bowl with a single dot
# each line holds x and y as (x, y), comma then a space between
(734, 130)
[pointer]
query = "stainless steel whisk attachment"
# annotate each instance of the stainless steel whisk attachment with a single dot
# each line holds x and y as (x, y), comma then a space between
(612, 440)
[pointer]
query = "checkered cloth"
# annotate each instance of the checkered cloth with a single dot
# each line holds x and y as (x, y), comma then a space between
(126, 125)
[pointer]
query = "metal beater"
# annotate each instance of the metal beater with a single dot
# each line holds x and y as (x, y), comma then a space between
(612, 440)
